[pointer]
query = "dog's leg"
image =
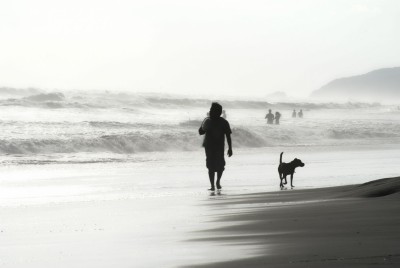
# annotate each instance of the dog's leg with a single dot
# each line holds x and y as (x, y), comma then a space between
(280, 178)
(291, 180)
(285, 180)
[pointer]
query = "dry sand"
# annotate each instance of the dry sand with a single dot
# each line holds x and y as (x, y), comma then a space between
(347, 226)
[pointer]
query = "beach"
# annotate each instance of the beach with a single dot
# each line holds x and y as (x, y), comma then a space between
(199, 134)
(119, 180)
(155, 211)
(347, 226)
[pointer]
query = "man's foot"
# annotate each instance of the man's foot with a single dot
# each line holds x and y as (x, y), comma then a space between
(219, 187)
(212, 189)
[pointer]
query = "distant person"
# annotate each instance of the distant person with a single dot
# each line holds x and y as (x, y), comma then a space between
(223, 114)
(301, 113)
(215, 129)
(277, 117)
(294, 114)
(270, 117)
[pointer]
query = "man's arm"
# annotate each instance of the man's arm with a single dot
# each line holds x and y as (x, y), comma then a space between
(229, 140)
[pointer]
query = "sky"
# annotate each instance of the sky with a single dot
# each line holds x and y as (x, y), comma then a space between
(215, 47)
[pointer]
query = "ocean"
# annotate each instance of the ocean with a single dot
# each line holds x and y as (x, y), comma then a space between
(84, 133)
(52, 128)
(91, 179)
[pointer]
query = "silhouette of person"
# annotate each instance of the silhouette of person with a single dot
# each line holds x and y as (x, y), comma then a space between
(277, 117)
(215, 129)
(294, 114)
(270, 117)
(301, 113)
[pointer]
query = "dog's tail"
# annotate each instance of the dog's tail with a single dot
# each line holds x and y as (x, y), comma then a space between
(280, 160)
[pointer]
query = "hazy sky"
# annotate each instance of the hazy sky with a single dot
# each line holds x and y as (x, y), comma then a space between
(203, 47)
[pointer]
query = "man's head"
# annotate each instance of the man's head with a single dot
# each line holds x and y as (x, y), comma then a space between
(269, 110)
(215, 110)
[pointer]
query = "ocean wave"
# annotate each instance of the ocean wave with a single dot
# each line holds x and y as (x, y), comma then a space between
(356, 134)
(186, 138)
(246, 138)
(123, 125)
(133, 142)
(47, 104)
(10, 91)
(56, 99)
(129, 143)
(55, 96)
(253, 104)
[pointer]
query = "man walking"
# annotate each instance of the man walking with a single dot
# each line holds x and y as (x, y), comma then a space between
(215, 129)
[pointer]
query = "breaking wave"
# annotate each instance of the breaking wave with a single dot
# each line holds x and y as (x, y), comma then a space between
(133, 142)
(158, 138)
(361, 134)
(53, 100)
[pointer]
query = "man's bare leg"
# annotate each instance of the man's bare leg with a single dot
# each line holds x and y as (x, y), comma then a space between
(219, 175)
(211, 175)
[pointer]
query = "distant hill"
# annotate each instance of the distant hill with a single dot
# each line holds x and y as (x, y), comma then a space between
(378, 85)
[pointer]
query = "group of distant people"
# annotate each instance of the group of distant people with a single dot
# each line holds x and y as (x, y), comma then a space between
(299, 114)
(271, 117)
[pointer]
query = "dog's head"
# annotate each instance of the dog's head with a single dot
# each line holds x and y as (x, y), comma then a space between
(298, 163)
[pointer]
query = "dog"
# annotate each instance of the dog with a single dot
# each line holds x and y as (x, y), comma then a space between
(285, 169)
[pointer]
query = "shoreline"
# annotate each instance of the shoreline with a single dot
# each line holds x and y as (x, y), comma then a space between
(343, 226)
(151, 213)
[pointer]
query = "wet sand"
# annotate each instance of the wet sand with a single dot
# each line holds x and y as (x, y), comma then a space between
(346, 226)
(122, 215)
